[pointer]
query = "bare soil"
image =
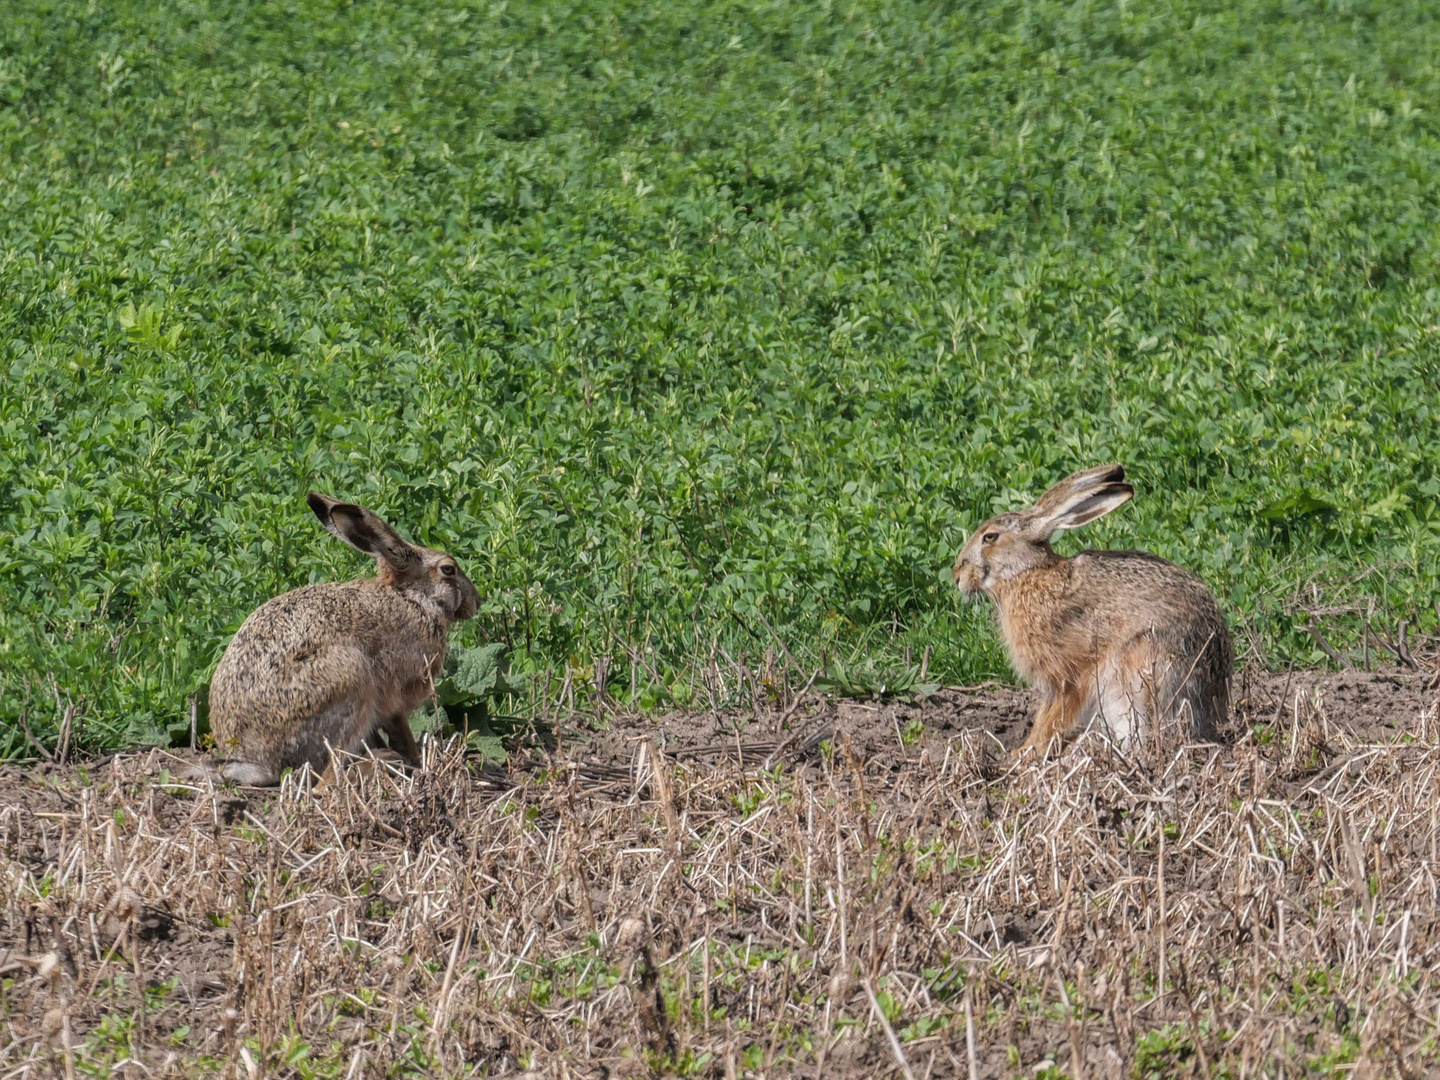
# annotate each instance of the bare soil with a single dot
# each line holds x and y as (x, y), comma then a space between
(832, 887)
(1365, 705)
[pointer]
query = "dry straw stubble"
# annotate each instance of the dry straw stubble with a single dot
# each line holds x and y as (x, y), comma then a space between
(1218, 911)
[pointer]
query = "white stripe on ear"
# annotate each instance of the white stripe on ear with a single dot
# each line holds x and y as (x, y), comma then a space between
(1061, 493)
(1074, 508)
(1096, 505)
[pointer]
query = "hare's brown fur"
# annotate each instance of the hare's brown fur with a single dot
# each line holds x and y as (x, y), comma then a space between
(327, 666)
(1122, 637)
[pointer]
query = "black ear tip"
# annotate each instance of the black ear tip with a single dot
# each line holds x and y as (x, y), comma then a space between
(1128, 490)
(319, 503)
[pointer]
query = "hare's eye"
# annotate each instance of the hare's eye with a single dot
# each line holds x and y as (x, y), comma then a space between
(448, 571)
(990, 538)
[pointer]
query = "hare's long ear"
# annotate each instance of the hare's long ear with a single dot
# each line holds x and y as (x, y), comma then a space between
(363, 530)
(1085, 480)
(1078, 500)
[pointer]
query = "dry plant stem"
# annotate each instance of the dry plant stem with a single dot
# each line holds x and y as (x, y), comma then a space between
(785, 747)
(1160, 890)
(442, 1002)
(705, 990)
(1077, 1057)
(30, 738)
(65, 1042)
(970, 1058)
(840, 897)
(67, 721)
(1313, 630)
(665, 797)
(890, 1036)
(1402, 647)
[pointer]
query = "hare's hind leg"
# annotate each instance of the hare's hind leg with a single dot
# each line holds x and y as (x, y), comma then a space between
(345, 726)
(249, 774)
(1124, 694)
(1196, 700)
(401, 738)
(1197, 688)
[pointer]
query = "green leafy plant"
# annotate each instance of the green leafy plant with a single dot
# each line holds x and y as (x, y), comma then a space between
(1162, 1052)
(867, 679)
(143, 326)
(475, 685)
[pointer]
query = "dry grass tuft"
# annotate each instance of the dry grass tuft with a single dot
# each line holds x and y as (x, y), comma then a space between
(1214, 911)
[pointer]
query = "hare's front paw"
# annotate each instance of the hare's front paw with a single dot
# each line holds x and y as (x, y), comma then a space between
(1034, 750)
(376, 762)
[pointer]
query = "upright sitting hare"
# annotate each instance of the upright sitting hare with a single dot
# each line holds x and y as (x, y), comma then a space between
(330, 665)
(1118, 638)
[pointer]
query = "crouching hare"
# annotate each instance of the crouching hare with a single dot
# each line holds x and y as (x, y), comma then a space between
(1121, 640)
(330, 665)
